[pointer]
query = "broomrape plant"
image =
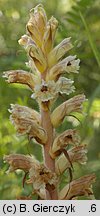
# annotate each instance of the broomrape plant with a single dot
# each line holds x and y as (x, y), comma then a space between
(47, 65)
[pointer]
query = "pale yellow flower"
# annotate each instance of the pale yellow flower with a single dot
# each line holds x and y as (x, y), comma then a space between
(72, 105)
(49, 35)
(37, 24)
(70, 65)
(34, 52)
(59, 51)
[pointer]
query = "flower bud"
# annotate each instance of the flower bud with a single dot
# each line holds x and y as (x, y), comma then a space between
(78, 187)
(23, 40)
(39, 60)
(20, 76)
(76, 154)
(34, 52)
(72, 105)
(37, 24)
(49, 35)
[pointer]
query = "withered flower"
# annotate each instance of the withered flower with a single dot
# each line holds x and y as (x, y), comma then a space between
(20, 76)
(25, 112)
(76, 154)
(19, 161)
(72, 105)
(78, 187)
(40, 176)
(26, 124)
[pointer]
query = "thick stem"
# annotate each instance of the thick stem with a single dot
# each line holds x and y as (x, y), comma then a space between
(49, 162)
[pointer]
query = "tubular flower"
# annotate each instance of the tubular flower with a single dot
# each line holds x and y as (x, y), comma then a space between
(19, 161)
(67, 137)
(59, 51)
(76, 154)
(72, 105)
(47, 63)
(20, 76)
(78, 187)
(69, 65)
(34, 52)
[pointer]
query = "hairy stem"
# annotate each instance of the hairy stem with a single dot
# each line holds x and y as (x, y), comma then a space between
(49, 162)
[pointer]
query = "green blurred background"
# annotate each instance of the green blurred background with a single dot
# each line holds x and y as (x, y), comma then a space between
(79, 19)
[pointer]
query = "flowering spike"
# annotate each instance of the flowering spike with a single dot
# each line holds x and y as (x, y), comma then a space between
(47, 63)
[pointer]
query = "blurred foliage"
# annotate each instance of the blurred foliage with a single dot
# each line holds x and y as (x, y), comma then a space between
(79, 19)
